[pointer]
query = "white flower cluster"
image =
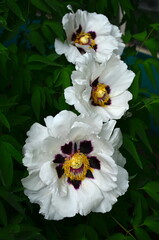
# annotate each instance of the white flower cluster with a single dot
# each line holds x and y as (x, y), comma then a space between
(74, 162)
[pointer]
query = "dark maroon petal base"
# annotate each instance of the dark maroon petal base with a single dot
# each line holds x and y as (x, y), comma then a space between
(60, 170)
(95, 83)
(89, 174)
(93, 34)
(86, 147)
(94, 162)
(75, 183)
(67, 148)
(59, 159)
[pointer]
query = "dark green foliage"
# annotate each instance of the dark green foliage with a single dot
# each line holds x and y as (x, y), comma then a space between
(33, 78)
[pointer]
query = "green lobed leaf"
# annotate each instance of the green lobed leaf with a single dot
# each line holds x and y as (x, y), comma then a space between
(57, 28)
(36, 101)
(40, 4)
(137, 215)
(152, 223)
(11, 199)
(3, 215)
(4, 120)
(37, 41)
(140, 36)
(48, 60)
(152, 189)
(142, 234)
(138, 127)
(6, 165)
(116, 236)
(130, 147)
(13, 6)
(153, 45)
(149, 71)
(134, 89)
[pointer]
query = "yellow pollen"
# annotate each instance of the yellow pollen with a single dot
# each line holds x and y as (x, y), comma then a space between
(84, 40)
(76, 160)
(99, 95)
(77, 166)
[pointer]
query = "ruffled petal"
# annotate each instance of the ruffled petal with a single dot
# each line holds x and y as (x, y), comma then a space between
(89, 197)
(59, 126)
(33, 182)
(70, 51)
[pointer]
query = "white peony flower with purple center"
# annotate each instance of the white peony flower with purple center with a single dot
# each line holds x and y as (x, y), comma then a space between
(100, 88)
(89, 33)
(74, 165)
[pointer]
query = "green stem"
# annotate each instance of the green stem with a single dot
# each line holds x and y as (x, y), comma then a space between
(127, 231)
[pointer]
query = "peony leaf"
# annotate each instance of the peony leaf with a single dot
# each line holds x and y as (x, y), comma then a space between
(6, 165)
(152, 223)
(130, 147)
(4, 120)
(140, 36)
(116, 236)
(3, 215)
(142, 234)
(11, 199)
(40, 4)
(13, 6)
(152, 189)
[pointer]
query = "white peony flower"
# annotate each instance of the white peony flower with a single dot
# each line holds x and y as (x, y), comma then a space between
(100, 88)
(74, 165)
(89, 32)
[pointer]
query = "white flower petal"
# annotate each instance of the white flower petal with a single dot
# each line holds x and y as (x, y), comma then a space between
(60, 125)
(106, 39)
(69, 50)
(86, 193)
(33, 182)
(49, 182)
(48, 174)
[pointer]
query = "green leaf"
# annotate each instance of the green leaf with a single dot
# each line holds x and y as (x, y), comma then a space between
(155, 26)
(13, 6)
(27, 79)
(153, 45)
(4, 120)
(57, 28)
(3, 215)
(48, 60)
(134, 89)
(116, 236)
(140, 36)
(130, 147)
(139, 128)
(137, 217)
(37, 41)
(11, 199)
(13, 152)
(152, 223)
(141, 234)
(40, 4)
(6, 165)
(36, 101)
(149, 71)
(152, 189)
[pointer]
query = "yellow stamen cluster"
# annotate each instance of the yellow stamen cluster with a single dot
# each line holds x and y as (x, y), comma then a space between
(76, 167)
(85, 39)
(99, 95)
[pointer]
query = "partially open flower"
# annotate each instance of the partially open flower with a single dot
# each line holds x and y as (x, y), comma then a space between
(100, 88)
(89, 32)
(74, 165)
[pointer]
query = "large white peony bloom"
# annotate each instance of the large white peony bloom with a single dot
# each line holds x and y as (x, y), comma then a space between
(89, 32)
(74, 165)
(100, 88)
